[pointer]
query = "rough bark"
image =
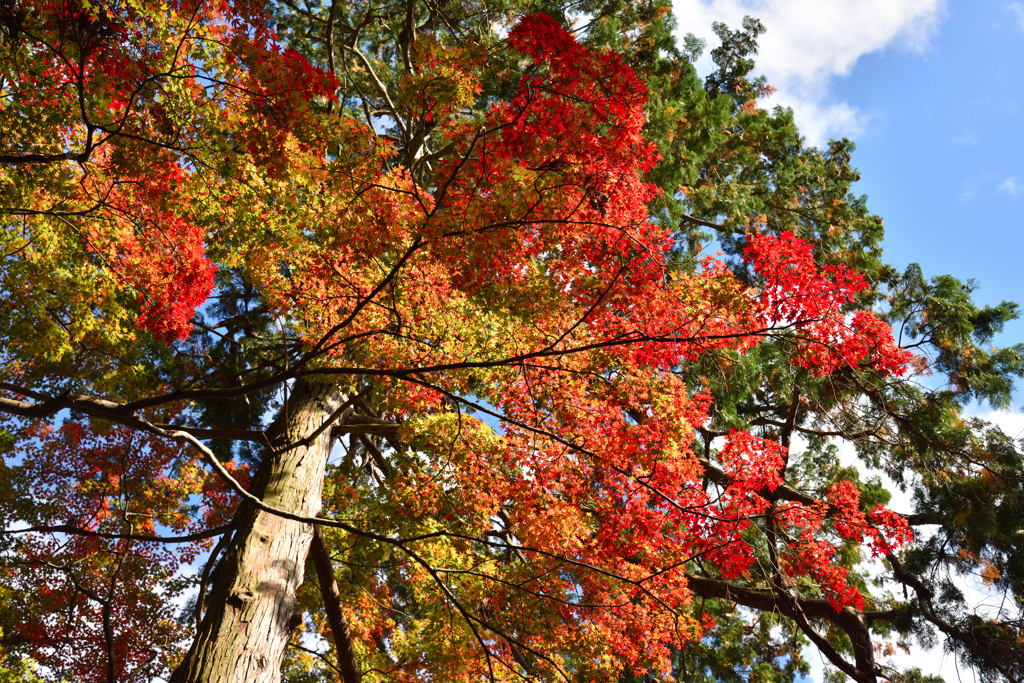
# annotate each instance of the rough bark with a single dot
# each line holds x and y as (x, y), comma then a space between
(253, 609)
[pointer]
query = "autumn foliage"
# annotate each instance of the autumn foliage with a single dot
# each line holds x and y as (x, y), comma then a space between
(196, 219)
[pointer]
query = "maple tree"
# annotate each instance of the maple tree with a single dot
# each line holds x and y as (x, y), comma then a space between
(424, 299)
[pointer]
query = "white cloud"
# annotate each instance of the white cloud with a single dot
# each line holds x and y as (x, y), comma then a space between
(1011, 422)
(969, 191)
(984, 601)
(965, 139)
(1018, 9)
(818, 121)
(989, 185)
(1012, 186)
(810, 42)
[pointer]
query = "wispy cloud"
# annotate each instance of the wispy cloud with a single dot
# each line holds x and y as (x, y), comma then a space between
(965, 139)
(1012, 186)
(989, 185)
(810, 42)
(1018, 9)
(968, 191)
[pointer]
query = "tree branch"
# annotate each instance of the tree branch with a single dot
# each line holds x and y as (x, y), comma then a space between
(76, 531)
(799, 609)
(348, 663)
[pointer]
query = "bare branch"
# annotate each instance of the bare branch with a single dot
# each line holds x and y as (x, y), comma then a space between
(348, 663)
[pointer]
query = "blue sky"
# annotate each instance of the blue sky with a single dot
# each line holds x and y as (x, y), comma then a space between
(932, 92)
(942, 150)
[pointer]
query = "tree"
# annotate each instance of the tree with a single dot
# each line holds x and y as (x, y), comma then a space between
(418, 286)
(913, 433)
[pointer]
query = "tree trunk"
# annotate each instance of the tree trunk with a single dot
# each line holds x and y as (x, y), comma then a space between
(253, 609)
(348, 663)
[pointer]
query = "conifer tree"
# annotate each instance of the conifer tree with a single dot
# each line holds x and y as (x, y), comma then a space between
(377, 341)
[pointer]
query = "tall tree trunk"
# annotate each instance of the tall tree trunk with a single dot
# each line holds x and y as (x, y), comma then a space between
(253, 608)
